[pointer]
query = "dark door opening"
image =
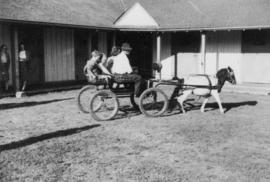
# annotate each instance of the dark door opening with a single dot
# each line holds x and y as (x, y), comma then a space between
(32, 38)
(141, 55)
(82, 52)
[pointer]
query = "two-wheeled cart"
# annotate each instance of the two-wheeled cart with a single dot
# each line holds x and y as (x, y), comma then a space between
(102, 100)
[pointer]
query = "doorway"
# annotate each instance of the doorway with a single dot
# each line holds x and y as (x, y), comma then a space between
(32, 38)
(142, 48)
(82, 52)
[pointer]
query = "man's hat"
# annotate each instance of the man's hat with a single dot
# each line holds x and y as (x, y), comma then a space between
(126, 47)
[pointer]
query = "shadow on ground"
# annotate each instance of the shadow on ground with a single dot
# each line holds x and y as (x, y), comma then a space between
(226, 106)
(29, 104)
(174, 107)
(127, 112)
(47, 136)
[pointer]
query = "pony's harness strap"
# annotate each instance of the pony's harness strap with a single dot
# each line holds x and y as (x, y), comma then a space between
(200, 86)
(210, 86)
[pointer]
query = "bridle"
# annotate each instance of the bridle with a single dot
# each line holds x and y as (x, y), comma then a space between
(231, 75)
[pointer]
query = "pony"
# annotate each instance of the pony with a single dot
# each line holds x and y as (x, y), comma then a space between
(206, 86)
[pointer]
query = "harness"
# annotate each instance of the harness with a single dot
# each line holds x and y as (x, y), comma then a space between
(210, 86)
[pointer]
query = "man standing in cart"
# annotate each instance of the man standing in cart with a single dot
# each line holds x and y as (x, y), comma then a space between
(123, 72)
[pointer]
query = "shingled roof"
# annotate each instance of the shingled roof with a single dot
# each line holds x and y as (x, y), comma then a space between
(87, 13)
(171, 15)
(207, 14)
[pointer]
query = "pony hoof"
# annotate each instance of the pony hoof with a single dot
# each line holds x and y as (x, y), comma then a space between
(202, 111)
(221, 112)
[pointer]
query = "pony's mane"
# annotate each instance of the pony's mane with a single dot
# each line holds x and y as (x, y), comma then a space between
(221, 76)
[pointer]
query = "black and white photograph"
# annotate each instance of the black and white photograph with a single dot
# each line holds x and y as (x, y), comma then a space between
(134, 90)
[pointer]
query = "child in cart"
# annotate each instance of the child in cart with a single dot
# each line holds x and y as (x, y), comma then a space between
(95, 70)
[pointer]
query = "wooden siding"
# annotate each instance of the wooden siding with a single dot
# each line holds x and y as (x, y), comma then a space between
(255, 62)
(59, 54)
(102, 42)
(82, 51)
(186, 48)
(167, 60)
(211, 53)
(166, 57)
(187, 63)
(5, 38)
(5, 35)
(223, 49)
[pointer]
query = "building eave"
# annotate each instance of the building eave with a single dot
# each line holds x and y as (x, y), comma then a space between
(214, 28)
(59, 24)
(139, 29)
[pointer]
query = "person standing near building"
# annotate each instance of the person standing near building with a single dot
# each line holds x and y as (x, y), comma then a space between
(23, 66)
(4, 67)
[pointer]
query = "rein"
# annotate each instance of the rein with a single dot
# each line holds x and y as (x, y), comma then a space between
(210, 86)
(201, 86)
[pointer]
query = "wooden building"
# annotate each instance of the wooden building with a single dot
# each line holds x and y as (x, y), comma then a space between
(203, 36)
(185, 36)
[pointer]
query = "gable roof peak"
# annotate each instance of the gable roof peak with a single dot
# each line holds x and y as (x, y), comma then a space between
(137, 17)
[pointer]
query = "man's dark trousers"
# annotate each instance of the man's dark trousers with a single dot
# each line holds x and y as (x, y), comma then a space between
(131, 78)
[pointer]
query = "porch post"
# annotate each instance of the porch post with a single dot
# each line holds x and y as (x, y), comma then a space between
(14, 53)
(89, 42)
(159, 51)
(202, 52)
(114, 39)
(175, 65)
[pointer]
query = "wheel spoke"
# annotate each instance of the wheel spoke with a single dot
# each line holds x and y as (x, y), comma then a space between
(153, 102)
(104, 105)
(83, 98)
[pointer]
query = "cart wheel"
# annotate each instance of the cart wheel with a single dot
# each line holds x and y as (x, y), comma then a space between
(104, 105)
(83, 98)
(133, 102)
(153, 102)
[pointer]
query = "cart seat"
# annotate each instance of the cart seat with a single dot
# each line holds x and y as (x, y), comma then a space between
(97, 82)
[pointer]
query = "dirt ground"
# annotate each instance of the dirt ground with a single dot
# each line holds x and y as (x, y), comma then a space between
(46, 138)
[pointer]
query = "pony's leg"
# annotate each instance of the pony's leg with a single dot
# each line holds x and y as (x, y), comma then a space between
(204, 103)
(216, 96)
(182, 98)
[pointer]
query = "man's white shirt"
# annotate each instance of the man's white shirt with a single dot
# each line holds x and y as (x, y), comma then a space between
(121, 64)
(22, 56)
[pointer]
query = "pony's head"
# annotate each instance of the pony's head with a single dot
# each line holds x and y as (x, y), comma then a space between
(225, 74)
(231, 76)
